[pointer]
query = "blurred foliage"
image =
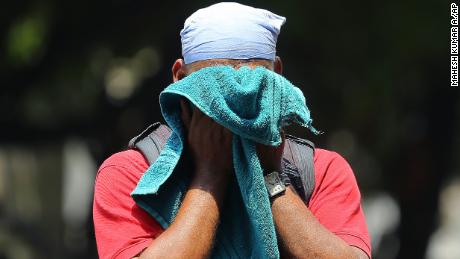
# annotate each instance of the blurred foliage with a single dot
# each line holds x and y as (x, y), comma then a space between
(375, 74)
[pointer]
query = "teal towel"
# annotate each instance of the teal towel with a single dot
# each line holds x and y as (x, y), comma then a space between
(254, 104)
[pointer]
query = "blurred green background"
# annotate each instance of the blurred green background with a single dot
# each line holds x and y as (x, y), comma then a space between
(80, 78)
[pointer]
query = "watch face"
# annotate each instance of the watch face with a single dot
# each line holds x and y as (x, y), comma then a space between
(271, 179)
(274, 184)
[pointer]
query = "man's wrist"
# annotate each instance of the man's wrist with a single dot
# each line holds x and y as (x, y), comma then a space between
(215, 183)
(274, 184)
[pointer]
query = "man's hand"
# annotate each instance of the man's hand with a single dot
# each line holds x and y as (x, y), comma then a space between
(270, 157)
(210, 147)
(209, 143)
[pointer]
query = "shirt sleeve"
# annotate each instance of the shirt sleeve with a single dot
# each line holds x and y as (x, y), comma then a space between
(336, 200)
(123, 230)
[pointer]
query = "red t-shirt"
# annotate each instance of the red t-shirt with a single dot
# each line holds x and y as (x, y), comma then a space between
(123, 229)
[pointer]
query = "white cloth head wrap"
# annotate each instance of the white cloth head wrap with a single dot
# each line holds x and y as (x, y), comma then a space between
(230, 31)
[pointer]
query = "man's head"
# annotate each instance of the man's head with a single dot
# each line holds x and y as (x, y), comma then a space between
(229, 34)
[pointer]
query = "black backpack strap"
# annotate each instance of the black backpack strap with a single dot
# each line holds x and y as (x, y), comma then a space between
(298, 165)
(151, 141)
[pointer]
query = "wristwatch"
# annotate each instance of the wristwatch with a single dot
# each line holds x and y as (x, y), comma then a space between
(274, 184)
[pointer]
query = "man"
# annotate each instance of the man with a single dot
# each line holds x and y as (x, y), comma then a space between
(331, 226)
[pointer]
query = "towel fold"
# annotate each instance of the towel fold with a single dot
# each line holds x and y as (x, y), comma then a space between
(254, 104)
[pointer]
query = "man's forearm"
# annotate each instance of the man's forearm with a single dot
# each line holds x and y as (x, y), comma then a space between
(191, 235)
(302, 236)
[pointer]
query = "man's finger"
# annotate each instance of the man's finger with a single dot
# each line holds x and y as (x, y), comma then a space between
(280, 148)
(185, 113)
(197, 115)
(226, 134)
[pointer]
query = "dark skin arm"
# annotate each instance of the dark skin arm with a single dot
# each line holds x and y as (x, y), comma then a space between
(300, 234)
(191, 235)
